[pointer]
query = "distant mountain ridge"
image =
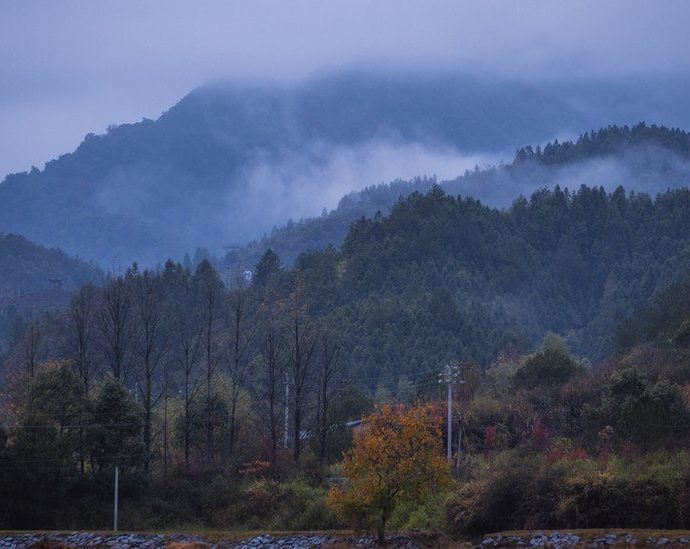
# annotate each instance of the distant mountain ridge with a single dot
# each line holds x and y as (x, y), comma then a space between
(609, 141)
(204, 173)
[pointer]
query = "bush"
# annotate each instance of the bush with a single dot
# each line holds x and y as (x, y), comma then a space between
(565, 489)
(428, 515)
(547, 367)
(267, 504)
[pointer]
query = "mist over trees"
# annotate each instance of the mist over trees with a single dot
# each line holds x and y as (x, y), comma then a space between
(444, 277)
(642, 158)
(396, 278)
(197, 175)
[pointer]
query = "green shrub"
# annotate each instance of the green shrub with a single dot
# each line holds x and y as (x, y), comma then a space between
(528, 492)
(428, 515)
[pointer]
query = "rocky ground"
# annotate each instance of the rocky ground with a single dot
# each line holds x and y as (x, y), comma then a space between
(175, 541)
(303, 541)
(566, 539)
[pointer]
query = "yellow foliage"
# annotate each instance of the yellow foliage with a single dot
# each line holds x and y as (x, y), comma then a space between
(396, 456)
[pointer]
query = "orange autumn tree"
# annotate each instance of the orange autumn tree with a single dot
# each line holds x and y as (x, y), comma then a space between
(397, 456)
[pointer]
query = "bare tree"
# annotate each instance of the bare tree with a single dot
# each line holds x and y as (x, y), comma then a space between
(82, 326)
(268, 373)
(30, 346)
(242, 325)
(151, 348)
(186, 327)
(166, 400)
(114, 321)
(209, 287)
(190, 336)
(328, 373)
(302, 346)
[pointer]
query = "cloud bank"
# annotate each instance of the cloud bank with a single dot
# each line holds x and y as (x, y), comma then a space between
(72, 68)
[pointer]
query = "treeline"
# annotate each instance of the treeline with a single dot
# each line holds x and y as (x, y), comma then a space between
(445, 277)
(611, 140)
(170, 375)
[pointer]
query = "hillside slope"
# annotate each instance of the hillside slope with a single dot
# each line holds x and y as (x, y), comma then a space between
(27, 267)
(35, 280)
(443, 278)
(229, 161)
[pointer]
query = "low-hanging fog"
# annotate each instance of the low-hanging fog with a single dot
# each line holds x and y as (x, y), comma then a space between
(648, 168)
(304, 185)
(73, 68)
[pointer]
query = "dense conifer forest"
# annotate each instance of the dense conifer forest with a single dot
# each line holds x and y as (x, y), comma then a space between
(444, 277)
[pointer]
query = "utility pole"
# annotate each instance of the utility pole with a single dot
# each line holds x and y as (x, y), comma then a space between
(287, 410)
(117, 486)
(165, 420)
(449, 449)
(450, 376)
(458, 455)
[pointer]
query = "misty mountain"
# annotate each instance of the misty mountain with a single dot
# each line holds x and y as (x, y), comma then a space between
(230, 161)
(642, 158)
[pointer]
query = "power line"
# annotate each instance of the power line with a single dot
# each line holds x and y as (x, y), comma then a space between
(76, 426)
(101, 459)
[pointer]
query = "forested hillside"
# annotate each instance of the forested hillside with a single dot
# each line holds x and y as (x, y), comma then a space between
(664, 322)
(27, 267)
(180, 380)
(444, 277)
(200, 174)
(641, 158)
(35, 280)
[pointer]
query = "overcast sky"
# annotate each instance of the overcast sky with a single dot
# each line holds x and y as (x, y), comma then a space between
(68, 68)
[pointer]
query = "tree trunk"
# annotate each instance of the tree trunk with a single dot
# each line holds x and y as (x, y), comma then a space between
(381, 530)
(209, 374)
(148, 404)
